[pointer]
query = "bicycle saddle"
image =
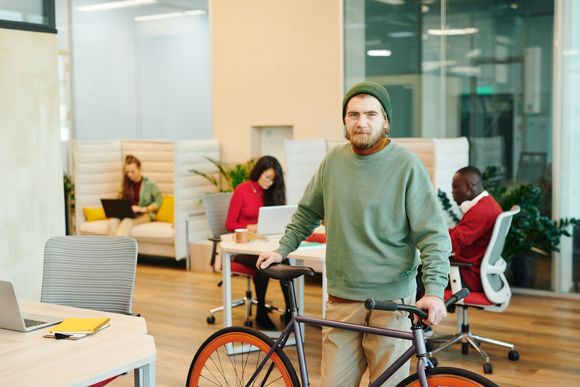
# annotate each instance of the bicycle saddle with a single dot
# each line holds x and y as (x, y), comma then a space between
(287, 272)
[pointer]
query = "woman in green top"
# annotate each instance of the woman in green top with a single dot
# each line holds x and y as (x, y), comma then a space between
(143, 194)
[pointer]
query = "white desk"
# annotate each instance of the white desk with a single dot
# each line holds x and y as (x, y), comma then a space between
(255, 247)
(28, 359)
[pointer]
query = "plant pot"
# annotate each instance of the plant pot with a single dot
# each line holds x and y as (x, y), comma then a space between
(523, 268)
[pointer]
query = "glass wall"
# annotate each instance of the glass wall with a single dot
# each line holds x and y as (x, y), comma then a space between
(479, 69)
(140, 69)
(33, 15)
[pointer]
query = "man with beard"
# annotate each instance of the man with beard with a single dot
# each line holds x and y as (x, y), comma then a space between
(379, 207)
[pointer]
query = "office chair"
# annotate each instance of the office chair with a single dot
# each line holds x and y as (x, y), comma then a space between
(216, 210)
(91, 272)
(495, 297)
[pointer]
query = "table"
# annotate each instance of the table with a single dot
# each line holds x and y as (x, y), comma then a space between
(299, 257)
(28, 359)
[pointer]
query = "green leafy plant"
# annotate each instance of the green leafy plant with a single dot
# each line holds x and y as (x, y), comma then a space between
(229, 176)
(69, 191)
(530, 230)
(446, 203)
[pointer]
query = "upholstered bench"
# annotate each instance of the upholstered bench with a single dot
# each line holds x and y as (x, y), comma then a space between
(98, 173)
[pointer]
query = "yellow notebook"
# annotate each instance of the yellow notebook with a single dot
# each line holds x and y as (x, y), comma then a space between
(80, 325)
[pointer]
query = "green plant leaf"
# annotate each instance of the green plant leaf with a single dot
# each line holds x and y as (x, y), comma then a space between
(230, 175)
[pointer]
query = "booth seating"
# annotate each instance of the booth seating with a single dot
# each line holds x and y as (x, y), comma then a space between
(98, 173)
(442, 157)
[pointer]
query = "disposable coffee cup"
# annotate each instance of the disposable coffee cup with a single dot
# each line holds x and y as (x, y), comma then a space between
(241, 235)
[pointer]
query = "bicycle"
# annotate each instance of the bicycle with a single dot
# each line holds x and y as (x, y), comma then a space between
(244, 356)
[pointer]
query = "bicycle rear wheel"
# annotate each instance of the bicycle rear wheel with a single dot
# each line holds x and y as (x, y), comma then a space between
(449, 377)
(213, 366)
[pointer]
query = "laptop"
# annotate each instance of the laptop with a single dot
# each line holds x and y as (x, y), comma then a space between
(272, 220)
(118, 208)
(11, 317)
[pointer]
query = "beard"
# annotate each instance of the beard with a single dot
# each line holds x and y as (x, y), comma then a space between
(364, 141)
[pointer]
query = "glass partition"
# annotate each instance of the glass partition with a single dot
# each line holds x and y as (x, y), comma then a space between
(479, 69)
(33, 15)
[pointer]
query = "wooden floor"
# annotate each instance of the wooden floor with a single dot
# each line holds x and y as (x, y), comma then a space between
(175, 303)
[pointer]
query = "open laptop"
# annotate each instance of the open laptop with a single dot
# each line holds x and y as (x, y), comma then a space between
(272, 220)
(11, 317)
(118, 208)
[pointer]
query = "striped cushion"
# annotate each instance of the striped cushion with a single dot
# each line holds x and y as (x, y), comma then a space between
(93, 272)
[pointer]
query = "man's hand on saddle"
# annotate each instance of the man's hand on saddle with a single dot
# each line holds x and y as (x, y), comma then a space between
(266, 259)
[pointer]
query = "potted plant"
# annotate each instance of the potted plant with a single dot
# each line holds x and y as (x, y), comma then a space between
(531, 233)
(228, 175)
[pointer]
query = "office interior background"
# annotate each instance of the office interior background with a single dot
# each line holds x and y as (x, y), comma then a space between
(253, 73)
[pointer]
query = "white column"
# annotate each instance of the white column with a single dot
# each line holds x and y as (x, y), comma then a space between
(566, 178)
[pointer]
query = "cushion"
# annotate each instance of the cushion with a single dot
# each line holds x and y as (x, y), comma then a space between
(154, 232)
(97, 227)
(474, 298)
(165, 213)
(92, 214)
(318, 237)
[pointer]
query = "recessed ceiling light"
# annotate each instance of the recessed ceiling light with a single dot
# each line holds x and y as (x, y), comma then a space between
(170, 15)
(392, 2)
(114, 5)
(453, 31)
(379, 52)
(401, 34)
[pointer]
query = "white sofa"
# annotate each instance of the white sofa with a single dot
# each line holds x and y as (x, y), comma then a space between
(97, 170)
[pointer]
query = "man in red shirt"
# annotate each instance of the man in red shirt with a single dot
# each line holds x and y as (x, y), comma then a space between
(470, 237)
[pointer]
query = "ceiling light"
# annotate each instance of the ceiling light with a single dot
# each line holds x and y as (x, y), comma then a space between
(379, 53)
(473, 53)
(170, 15)
(392, 2)
(468, 70)
(114, 5)
(453, 31)
(196, 12)
(401, 34)
(159, 16)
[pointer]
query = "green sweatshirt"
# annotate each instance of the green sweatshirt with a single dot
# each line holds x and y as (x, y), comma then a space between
(378, 210)
(150, 194)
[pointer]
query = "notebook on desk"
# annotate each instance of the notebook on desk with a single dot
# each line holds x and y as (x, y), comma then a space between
(11, 317)
(118, 208)
(272, 220)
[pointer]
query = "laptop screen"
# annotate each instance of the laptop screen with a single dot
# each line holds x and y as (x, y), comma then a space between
(273, 220)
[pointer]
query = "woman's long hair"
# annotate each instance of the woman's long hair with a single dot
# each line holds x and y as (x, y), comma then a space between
(276, 194)
(127, 186)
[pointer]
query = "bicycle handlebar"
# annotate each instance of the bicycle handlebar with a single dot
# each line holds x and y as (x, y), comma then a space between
(393, 306)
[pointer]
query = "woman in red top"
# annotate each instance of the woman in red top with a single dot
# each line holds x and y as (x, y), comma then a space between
(264, 188)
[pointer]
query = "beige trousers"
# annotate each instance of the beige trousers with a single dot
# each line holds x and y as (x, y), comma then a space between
(346, 355)
(123, 227)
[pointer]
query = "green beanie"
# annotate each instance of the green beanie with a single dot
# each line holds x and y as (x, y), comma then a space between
(370, 88)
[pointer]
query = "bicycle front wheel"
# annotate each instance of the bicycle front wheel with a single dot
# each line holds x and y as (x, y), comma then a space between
(449, 377)
(213, 365)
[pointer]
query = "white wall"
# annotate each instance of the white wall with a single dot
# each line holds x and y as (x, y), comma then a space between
(141, 79)
(30, 160)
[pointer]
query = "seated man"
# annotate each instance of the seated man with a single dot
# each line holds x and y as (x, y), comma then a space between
(470, 237)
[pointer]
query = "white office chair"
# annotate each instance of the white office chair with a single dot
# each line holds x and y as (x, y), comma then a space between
(495, 297)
